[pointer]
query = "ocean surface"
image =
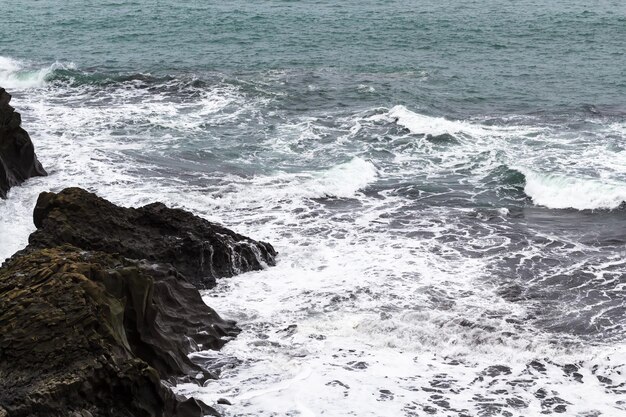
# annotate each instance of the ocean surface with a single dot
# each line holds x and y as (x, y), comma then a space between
(445, 182)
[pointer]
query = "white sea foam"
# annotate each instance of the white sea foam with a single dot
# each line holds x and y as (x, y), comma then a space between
(343, 180)
(589, 173)
(9, 65)
(428, 125)
(560, 192)
(419, 123)
(370, 341)
(387, 304)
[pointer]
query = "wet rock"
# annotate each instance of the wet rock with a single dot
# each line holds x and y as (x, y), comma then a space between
(214, 362)
(94, 333)
(197, 248)
(18, 161)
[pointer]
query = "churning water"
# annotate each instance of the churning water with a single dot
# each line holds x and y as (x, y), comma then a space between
(444, 181)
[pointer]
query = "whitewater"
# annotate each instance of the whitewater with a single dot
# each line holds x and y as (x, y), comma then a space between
(427, 264)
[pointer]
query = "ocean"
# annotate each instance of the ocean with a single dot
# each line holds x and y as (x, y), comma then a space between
(445, 183)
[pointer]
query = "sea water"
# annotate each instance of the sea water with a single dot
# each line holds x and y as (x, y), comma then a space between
(444, 182)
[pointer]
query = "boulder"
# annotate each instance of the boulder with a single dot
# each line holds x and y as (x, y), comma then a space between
(87, 333)
(18, 161)
(197, 248)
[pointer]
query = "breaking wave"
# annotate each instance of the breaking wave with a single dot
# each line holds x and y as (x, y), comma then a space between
(342, 181)
(557, 191)
(418, 123)
(16, 74)
(560, 192)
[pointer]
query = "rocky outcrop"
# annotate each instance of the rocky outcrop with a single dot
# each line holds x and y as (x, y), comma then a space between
(96, 317)
(93, 333)
(197, 248)
(18, 161)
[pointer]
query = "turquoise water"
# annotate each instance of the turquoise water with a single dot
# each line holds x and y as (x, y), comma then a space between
(445, 183)
(455, 57)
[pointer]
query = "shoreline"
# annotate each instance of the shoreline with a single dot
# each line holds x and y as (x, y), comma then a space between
(99, 313)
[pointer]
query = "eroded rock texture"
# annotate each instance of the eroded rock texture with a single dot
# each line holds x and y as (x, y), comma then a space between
(92, 334)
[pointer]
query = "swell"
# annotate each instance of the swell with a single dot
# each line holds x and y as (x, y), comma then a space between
(16, 74)
(557, 191)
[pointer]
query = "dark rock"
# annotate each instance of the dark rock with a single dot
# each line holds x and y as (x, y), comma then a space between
(92, 333)
(199, 249)
(18, 161)
(224, 401)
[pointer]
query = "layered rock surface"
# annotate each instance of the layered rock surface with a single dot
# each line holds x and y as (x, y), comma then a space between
(199, 249)
(88, 331)
(18, 161)
(96, 317)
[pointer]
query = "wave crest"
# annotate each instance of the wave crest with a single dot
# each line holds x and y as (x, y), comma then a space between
(17, 75)
(562, 192)
(438, 126)
(341, 181)
(422, 124)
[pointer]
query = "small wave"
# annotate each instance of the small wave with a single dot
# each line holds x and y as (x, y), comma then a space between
(422, 124)
(364, 88)
(438, 126)
(17, 75)
(561, 192)
(75, 77)
(341, 181)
